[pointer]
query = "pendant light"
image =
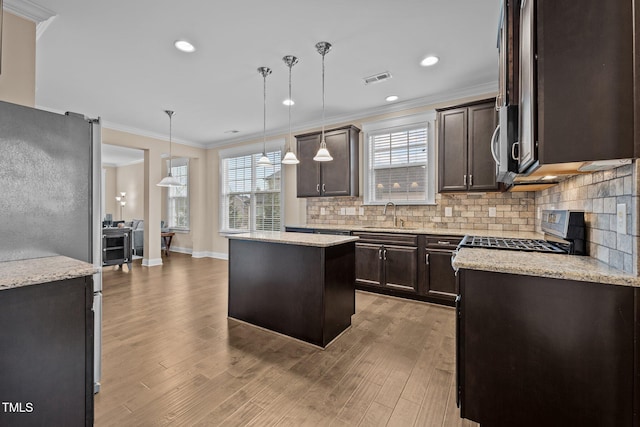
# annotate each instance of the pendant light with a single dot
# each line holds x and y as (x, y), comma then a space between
(264, 160)
(169, 180)
(323, 154)
(290, 157)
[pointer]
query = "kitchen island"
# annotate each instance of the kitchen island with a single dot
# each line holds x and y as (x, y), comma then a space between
(296, 284)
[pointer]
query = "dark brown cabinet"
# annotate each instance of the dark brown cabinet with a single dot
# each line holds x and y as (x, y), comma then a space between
(46, 361)
(575, 105)
(338, 177)
(441, 281)
(387, 261)
(464, 147)
(535, 351)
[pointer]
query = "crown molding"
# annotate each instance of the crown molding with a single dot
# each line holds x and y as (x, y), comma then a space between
(28, 10)
(442, 97)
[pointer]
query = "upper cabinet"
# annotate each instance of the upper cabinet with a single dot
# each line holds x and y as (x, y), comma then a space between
(576, 81)
(338, 177)
(464, 147)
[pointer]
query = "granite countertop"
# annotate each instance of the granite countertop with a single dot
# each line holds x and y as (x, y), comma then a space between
(435, 231)
(15, 274)
(569, 267)
(302, 239)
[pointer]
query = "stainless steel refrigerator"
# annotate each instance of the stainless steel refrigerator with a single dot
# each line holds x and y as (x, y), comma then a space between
(50, 170)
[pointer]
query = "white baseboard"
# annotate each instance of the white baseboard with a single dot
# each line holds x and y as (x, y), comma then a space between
(208, 254)
(181, 250)
(151, 262)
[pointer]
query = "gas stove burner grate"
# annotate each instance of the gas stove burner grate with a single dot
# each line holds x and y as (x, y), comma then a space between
(531, 245)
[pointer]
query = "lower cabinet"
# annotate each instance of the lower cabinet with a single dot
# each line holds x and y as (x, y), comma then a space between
(46, 354)
(441, 281)
(407, 265)
(387, 261)
(535, 351)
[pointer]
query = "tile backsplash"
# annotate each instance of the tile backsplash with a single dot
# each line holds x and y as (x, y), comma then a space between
(598, 195)
(513, 212)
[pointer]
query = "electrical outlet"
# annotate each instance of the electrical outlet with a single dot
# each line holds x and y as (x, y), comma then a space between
(323, 211)
(361, 212)
(492, 212)
(342, 211)
(621, 218)
(448, 211)
(351, 211)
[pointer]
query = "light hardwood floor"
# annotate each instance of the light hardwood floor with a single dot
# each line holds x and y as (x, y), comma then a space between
(171, 356)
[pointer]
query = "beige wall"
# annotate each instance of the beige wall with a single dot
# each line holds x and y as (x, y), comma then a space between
(18, 73)
(130, 179)
(110, 191)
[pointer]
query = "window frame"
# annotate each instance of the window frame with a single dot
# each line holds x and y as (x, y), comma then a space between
(179, 162)
(398, 124)
(241, 151)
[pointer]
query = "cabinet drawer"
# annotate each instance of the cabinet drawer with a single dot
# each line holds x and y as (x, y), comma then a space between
(443, 242)
(391, 238)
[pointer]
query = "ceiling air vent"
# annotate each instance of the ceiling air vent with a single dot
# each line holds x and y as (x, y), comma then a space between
(377, 78)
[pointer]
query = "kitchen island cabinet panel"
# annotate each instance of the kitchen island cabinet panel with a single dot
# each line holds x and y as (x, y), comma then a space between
(305, 292)
(541, 352)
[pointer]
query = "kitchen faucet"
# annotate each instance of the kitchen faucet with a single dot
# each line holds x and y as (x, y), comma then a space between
(395, 218)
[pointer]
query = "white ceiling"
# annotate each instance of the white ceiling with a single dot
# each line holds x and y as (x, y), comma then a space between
(116, 60)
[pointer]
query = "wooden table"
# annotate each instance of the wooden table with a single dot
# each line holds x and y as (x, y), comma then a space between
(167, 237)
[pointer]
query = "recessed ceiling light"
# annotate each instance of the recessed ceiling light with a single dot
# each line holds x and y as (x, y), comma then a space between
(429, 61)
(391, 98)
(184, 46)
(288, 102)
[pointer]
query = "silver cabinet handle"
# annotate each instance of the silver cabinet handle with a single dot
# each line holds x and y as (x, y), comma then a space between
(442, 242)
(426, 259)
(318, 188)
(513, 151)
(384, 254)
(494, 139)
(464, 181)
(380, 253)
(324, 188)
(470, 180)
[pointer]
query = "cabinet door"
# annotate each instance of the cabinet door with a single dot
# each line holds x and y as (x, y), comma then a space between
(336, 174)
(452, 150)
(308, 170)
(482, 168)
(401, 267)
(368, 264)
(442, 281)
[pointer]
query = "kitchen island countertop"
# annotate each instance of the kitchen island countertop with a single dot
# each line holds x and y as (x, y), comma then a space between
(302, 239)
(15, 274)
(569, 267)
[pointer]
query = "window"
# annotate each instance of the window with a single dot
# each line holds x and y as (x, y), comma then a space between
(399, 161)
(251, 195)
(178, 197)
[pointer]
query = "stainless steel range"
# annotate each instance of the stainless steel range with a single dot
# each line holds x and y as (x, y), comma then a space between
(566, 225)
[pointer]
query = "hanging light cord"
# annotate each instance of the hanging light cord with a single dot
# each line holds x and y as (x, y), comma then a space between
(264, 119)
(170, 114)
(290, 101)
(322, 142)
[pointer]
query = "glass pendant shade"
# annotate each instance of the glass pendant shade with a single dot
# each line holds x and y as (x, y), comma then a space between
(169, 180)
(264, 160)
(290, 159)
(323, 153)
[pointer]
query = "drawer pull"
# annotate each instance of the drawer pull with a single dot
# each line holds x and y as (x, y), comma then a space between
(442, 242)
(426, 259)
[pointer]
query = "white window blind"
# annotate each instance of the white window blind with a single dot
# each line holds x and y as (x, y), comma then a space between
(178, 197)
(251, 194)
(399, 163)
